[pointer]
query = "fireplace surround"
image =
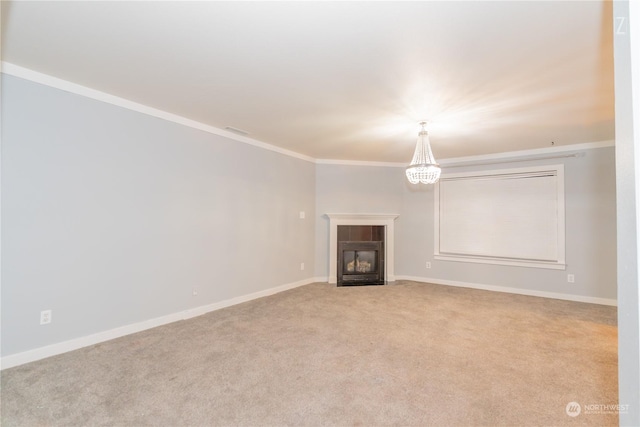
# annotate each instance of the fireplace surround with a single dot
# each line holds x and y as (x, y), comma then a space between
(385, 220)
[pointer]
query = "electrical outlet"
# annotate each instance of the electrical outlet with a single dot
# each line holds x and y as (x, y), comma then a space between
(428, 264)
(571, 278)
(302, 214)
(45, 317)
(302, 266)
(194, 293)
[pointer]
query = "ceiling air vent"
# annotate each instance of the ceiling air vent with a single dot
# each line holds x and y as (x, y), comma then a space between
(236, 130)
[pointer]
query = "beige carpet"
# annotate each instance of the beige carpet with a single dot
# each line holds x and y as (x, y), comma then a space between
(405, 354)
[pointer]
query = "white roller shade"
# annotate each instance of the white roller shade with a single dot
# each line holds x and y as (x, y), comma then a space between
(514, 216)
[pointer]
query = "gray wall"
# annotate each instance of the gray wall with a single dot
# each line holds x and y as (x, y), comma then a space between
(590, 225)
(111, 217)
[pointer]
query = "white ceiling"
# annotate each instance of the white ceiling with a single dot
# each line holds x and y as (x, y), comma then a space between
(341, 80)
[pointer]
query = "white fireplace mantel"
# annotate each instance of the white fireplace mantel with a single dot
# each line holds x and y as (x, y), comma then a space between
(386, 220)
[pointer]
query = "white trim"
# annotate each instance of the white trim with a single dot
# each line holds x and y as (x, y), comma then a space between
(386, 220)
(67, 86)
(518, 291)
(501, 261)
(360, 163)
(559, 264)
(512, 155)
(77, 343)
(505, 157)
(362, 217)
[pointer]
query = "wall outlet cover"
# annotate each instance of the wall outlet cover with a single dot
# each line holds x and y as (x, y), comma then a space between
(45, 317)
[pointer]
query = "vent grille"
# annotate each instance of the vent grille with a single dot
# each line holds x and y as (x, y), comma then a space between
(236, 130)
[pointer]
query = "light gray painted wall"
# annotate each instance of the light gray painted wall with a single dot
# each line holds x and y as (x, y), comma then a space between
(590, 230)
(111, 217)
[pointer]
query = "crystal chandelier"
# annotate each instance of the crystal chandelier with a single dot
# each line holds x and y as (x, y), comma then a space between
(423, 167)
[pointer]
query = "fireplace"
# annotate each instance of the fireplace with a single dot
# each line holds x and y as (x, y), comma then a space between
(360, 255)
(385, 221)
(360, 263)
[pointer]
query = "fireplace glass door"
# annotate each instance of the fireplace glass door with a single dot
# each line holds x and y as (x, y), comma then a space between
(360, 263)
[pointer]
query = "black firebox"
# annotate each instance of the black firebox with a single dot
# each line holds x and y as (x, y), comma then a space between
(360, 263)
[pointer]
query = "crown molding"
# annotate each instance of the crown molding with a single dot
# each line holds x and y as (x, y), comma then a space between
(67, 86)
(360, 163)
(547, 152)
(505, 157)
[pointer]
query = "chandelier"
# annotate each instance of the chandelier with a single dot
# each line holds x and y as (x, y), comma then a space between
(423, 167)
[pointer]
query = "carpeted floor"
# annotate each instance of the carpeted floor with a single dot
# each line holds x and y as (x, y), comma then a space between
(405, 354)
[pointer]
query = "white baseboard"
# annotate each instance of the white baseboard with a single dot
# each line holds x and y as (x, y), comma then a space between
(530, 292)
(76, 343)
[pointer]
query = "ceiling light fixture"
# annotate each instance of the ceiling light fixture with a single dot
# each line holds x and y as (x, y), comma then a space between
(423, 167)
